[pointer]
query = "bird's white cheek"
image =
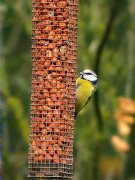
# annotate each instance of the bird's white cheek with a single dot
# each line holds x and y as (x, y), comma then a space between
(91, 78)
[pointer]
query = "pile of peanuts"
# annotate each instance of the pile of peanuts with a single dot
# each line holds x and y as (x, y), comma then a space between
(53, 81)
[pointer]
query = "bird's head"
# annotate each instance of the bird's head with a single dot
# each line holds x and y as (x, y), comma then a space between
(89, 75)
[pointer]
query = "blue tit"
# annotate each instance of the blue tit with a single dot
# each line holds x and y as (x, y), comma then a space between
(86, 85)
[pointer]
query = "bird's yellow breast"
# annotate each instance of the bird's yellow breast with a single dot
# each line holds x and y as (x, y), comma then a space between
(84, 91)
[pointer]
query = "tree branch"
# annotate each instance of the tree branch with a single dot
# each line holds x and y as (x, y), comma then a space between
(98, 56)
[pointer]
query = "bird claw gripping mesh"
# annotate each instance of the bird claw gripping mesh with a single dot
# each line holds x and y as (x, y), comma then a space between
(54, 46)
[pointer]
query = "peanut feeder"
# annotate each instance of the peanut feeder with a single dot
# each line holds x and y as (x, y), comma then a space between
(54, 46)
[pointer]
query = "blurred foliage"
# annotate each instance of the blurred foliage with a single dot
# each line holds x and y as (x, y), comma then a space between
(94, 156)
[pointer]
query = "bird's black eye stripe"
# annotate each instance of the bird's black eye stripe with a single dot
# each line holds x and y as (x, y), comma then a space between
(88, 73)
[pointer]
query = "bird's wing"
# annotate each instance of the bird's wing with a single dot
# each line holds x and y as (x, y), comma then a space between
(77, 85)
(89, 97)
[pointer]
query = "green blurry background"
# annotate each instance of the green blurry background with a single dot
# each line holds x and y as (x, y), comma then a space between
(106, 43)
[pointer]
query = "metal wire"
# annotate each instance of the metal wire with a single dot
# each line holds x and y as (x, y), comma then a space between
(54, 46)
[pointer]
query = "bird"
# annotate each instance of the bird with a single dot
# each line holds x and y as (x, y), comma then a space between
(86, 85)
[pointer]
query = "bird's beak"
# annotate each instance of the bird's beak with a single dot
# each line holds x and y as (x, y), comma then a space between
(81, 73)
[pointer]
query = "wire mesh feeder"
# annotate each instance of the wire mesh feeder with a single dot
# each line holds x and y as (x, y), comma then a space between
(54, 46)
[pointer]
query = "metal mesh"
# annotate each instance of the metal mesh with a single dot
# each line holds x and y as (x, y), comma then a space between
(54, 45)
